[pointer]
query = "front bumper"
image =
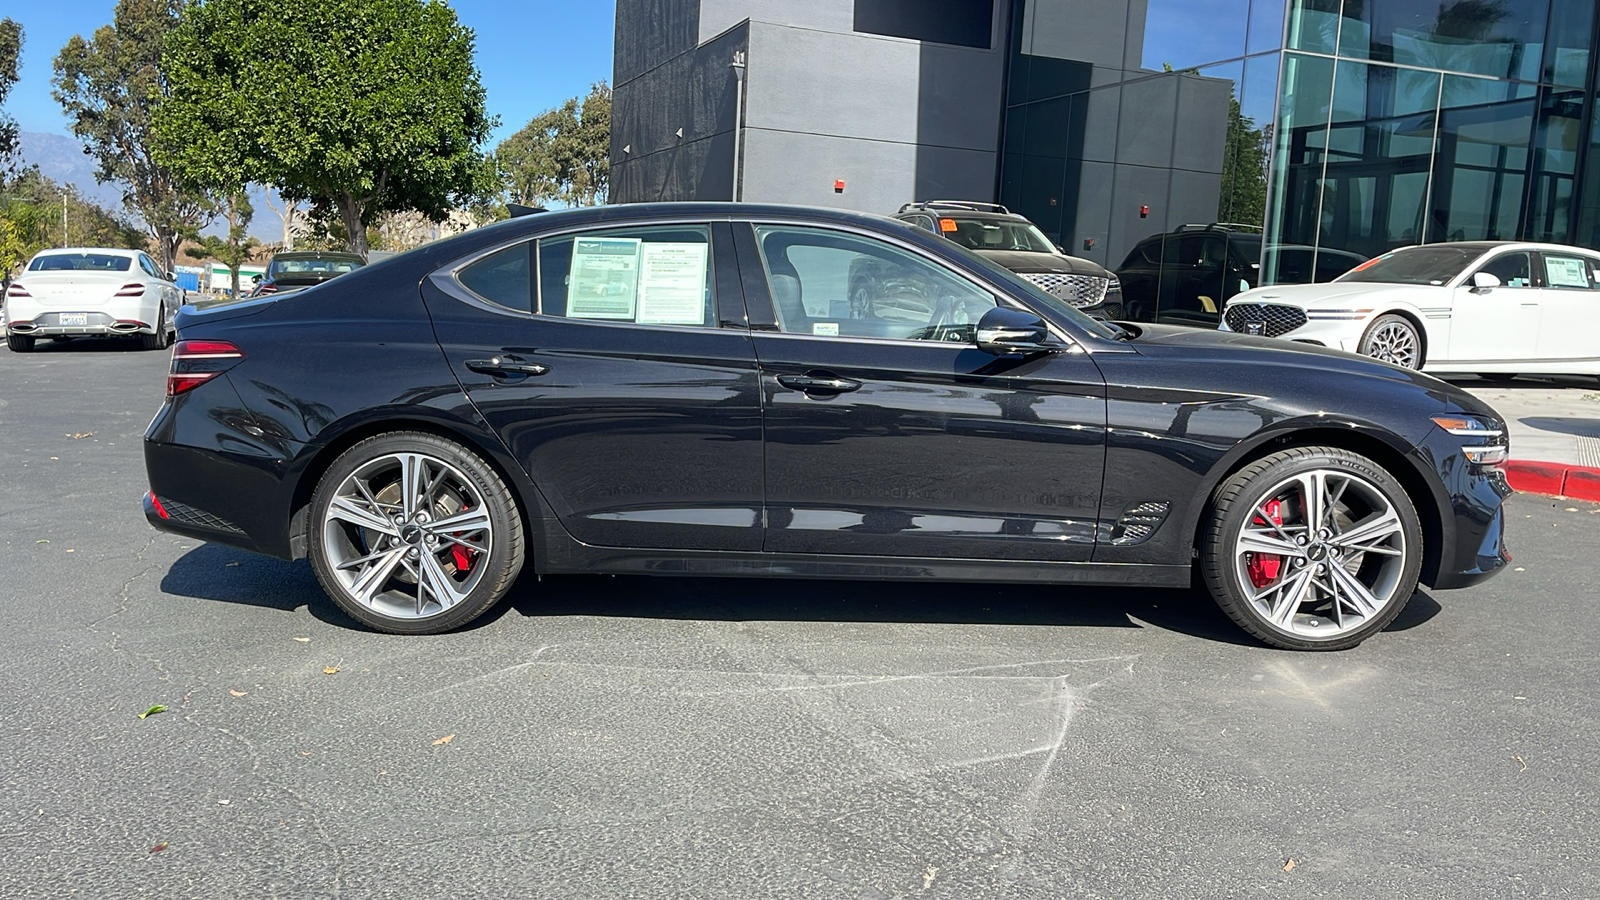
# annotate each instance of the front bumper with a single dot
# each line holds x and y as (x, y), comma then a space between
(1337, 331)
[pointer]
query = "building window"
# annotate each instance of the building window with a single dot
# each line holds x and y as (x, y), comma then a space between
(965, 23)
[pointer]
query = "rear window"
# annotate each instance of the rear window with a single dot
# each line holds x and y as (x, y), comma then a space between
(313, 266)
(81, 262)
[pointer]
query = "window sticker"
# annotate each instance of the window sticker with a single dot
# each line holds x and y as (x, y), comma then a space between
(828, 329)
(603, 282)
(1563, 272)
(672, 284)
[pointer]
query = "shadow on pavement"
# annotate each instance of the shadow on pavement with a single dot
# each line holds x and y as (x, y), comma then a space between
(88, 345)
(1564, 425)
(216, 572)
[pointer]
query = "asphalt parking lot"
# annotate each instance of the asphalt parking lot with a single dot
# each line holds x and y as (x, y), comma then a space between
(629, 737)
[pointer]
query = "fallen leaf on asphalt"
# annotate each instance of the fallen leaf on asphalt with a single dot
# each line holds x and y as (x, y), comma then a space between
(1289, 866)
(159, 847)
(70, 550)
(330, 670)
(233, 565)
(1521, 763)
(80, 435)
(41, 541)
(158, 708)
(223, 802)
(304, 640)
(445, 740)
(1519, 569)
(1572, 509)
(237, 693)
(55, 457)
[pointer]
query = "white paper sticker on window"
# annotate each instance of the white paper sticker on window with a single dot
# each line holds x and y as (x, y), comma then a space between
(604, 280)
(672, 284)
(1564, 272)
(829, 329)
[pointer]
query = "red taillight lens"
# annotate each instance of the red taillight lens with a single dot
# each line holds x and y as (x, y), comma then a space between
(268, 289)
(17, 290)
(130, 290)
(196, 362)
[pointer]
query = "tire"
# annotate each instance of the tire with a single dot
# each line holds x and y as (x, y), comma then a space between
(1299, 589)
(1393, 339)
(156, 340)
(369, 565)
(1497, 377)
(20, 343)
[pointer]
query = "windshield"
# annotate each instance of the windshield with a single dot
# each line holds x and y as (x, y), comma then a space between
(991, 234)
(1434, 264)
(313, 266)
(1038, 297)
(81, 262)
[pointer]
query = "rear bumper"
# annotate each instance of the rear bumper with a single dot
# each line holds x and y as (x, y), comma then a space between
(67, 323)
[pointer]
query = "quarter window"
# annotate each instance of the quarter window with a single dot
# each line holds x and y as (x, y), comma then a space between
(1569, 272)
(643, 276)
(504, 277)
(832, 284)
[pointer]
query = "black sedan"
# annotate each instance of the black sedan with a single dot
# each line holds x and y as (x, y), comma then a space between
(688, 389)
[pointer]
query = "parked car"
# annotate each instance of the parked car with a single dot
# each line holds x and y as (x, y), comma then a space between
(1493, 308)
(1186, 276)
(1016, 243)
(301, 269)
(427, 429)
(91, 292)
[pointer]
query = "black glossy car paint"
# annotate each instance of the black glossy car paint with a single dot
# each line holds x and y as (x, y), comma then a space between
(663, 450)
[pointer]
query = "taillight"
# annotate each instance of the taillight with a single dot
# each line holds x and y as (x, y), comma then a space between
(17, 290)
(130, 290)
(196, 362)
(268, 289)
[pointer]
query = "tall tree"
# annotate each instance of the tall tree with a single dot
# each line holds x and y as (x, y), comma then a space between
(10, 59)
(1243, 197)
(35, 213)
(109, 87)
(562, 155)
(359, 106)
(233, 249)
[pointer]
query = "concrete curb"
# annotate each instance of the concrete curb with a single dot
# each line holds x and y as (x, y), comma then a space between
(1554, 479)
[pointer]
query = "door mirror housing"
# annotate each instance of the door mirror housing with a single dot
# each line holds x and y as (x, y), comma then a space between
(255, 279)
(1008, 332)
(1483, 281)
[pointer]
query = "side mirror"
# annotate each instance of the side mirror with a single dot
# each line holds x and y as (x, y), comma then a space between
(255, 279)
(1483, 281)
(1007, 332)
(169, 276)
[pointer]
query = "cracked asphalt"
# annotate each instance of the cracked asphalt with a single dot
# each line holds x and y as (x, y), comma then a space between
(628, 737)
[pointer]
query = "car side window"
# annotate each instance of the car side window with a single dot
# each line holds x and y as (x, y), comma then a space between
(658, 275)
(504, 277)
(1569, 273)
(1513, 269)
(833, 284)
(149, 267)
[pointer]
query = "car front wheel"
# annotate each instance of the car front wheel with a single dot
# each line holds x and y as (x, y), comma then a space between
(414, 534)
(1313, 548)
(1393, 339)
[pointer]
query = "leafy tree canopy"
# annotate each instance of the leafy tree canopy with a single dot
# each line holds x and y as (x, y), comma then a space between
(361, 106)
(562, 155)
(233, 249)
(10, 59)
(109, 86)
(31, 219)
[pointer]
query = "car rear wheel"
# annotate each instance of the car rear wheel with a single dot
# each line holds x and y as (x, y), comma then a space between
(20, 343)
(1393, 339)
(414, 534)
(1313, 548)
(156, 339)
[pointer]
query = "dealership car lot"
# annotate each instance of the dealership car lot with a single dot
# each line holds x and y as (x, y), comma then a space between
(675, 737)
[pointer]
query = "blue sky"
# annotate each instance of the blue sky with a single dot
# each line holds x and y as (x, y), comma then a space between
(533, 54)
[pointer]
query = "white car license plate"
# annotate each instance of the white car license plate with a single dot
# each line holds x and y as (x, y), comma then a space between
(74, 319)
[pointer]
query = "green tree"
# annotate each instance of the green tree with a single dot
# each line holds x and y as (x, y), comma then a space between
(562, 155)
(10, 59)
(109, 87)
(1244, 175)
(233, 250)
(358, 106)
(37, 213)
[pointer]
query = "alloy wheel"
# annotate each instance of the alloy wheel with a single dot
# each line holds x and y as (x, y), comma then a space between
(1394, 342)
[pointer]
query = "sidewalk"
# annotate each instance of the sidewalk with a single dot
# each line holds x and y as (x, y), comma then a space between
(1555, 432)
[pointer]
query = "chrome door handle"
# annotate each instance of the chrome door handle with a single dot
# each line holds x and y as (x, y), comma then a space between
(818, 384)
(499, 367)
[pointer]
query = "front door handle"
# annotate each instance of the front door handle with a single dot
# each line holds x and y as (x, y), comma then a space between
(499, 367)
(818, 384)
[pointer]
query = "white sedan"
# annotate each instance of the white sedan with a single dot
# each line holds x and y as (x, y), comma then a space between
(1493, 308)
(91, 291)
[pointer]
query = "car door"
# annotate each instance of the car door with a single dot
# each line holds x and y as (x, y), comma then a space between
(160, 286)
(617, 368)
(1499, 323)
(1569, 308)
(889, 433)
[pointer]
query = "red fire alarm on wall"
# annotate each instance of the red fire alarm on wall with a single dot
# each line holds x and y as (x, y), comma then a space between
(1144, 212)
(838, 185)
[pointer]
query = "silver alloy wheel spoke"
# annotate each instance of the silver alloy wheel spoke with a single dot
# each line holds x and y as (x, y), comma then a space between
(437, 582)
(412, 471)
(1313, 497)
(1349, 588)
(377, 574)
(470, 520)
(1257, 541)
(346, 509)
(1291, 593)
(1372, 535)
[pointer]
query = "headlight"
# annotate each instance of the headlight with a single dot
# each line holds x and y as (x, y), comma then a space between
(1487, 444)
(1113, 285)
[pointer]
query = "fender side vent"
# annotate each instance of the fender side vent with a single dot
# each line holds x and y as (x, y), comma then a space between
(1139, 522)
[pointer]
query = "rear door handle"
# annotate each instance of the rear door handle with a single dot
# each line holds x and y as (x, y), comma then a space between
(499, 367)
(819, 384)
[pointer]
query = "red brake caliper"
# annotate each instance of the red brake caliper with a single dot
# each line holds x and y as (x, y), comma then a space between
(1264, 568)
(464, 558)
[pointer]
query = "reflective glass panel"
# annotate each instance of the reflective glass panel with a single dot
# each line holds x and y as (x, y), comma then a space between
(1558, 138)
(1480, 174)
(1187, 33)
(1266, 25)
(1300, 142)
(1313, 25)
(1566, 55)
(1501, 38)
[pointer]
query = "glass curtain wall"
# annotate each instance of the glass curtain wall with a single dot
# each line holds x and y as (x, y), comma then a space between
(1412, 121)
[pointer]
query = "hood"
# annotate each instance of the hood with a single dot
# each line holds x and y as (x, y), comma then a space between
(1335, 295)
(1230, 346)
(1024, 261)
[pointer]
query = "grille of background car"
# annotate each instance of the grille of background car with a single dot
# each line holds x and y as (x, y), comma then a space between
(1079, 290)
(1274, 319)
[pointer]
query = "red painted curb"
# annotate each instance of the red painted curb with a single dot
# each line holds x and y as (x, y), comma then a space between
(1554, 479)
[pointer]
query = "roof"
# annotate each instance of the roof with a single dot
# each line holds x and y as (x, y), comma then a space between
(109, 251)
(316, 254)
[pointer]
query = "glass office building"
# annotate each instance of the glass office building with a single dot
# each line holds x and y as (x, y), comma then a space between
(1200, 146)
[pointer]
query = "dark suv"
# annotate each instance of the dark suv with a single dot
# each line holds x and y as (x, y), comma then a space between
(295, 270)
(1184, 277)
(1016, 243)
